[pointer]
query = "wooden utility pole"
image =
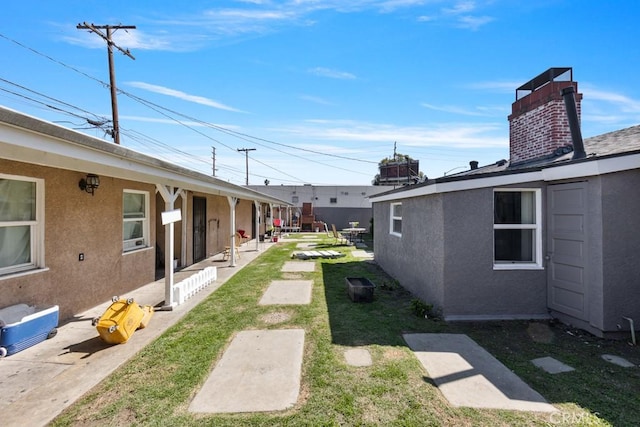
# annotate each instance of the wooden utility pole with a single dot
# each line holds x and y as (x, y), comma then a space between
(213, 157)
(246, 154)
(115, 133)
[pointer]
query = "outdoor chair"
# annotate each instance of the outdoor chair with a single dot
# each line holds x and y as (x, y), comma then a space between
(244, 236)
(227, 249)
(337, 236)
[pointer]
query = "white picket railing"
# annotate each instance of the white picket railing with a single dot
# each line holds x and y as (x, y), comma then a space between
(188, 287)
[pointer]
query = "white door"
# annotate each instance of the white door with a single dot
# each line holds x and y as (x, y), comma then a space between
(567, 249)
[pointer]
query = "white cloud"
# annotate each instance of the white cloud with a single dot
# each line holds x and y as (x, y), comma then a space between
(182, 95)
(460, 8)
(473, 22)
(453, 109)
(315, 99)
(334, 74)
(453, 135)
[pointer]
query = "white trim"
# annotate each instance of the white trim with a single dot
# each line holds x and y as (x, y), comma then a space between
(36, 228)
(536, 227)
(24, 273)
(487, 317)
(393, 218)
(549, 173)
(146, 236)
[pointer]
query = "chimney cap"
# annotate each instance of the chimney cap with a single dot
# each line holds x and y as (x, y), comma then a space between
(552, 74)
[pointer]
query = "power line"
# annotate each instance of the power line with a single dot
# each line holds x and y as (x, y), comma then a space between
(112, 73)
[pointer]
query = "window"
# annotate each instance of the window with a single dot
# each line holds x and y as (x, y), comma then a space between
(396, 219)
(135, 228)
(516, 229)
(21, 219)
(333, 200)
(294, 199)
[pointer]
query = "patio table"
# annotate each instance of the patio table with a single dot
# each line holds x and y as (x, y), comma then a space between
(354, 233)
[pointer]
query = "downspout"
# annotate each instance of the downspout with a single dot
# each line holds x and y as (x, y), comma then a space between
(574, 123)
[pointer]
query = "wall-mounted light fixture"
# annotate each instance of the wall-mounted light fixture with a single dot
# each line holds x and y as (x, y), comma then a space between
(90, 184)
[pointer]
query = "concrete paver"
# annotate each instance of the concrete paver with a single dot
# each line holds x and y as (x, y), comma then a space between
(551, 365)
(283, 292)
(359, 357)
(467, 375)
(299, 266)
(617, 360)
(260, 371)
(39, 382)
(361, 254)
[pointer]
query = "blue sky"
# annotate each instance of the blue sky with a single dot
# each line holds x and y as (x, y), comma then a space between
(321, 89)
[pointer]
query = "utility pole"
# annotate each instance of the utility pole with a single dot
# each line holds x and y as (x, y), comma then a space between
(213, 157)
(246, 154)
(115, 133)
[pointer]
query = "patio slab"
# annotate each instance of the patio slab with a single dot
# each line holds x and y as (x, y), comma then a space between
(298, 266)
(306, 245)
(468, 376)
(361, 254)
(284, 292)
(358, 357)
(259, 372)
(551, 365)
(617, 360)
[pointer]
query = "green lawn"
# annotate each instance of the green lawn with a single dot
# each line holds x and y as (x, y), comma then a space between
(156, 387)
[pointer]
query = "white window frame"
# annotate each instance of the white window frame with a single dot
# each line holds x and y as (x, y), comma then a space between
(132, 245)
(393, 217)
(537, 263)
(37, 260)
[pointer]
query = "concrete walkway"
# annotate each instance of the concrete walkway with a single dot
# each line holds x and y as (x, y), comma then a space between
(40, 382)
(260, 371)
(468, 376)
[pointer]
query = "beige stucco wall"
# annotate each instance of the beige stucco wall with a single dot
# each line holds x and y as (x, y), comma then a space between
(76, 222)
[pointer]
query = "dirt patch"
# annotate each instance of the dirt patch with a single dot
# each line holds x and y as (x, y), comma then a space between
(291, 276)
(277, 317)
(541, 332)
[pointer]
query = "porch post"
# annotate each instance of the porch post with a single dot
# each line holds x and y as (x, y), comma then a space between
(232, 222)
(256, 224)
(169, 195)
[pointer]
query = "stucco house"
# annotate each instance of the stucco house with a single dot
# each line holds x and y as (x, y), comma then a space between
(81, 218)
(553, 231)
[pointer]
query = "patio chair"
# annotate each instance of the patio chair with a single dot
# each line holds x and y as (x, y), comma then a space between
(244, 236)
(227, 249)
(337, 236)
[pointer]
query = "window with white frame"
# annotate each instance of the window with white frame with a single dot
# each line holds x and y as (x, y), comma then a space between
(21, 224)
(396, 219)
(517, 230)
(135, 228)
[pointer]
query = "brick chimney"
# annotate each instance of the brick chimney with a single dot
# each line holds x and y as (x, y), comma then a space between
(538, 124)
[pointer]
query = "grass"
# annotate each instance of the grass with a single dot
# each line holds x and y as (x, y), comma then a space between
(156, 386)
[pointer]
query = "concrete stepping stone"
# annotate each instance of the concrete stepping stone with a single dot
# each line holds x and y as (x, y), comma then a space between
(285, 292)
(617, 360)
(358, 357)
(361, 254)
(298, 266)
(551, 365)
(469, 376)
(306, 245)
(260, 371)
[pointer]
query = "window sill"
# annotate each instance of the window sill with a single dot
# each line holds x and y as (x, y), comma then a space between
(137, 250)
(24, 273)
(395, 234)
(517, 267)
